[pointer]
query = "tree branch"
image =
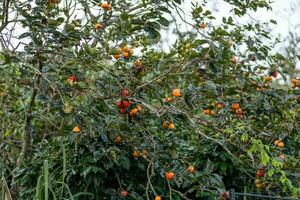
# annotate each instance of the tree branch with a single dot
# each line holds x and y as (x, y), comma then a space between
(28, 117)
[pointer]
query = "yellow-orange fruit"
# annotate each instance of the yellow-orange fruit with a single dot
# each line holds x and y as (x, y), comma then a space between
(76, 129)
(191, 169)
(170, 175)
(176, 93)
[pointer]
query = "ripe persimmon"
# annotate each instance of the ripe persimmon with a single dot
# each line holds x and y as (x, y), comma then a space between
(280, 144)
(168, 99)
(76, 129)
(295, 83)
(170, 175)
(120, 104)
(203, 25)
(133, 112)
(235, 106)
(207, 111)
(171, 126)
(276, 142)
(136, 153)
(125, 54)
(191, 169)
(165, 124)
(118, 139)
(139, 107)
(239, 111)
(268, 78)
(105, 5)
(117, 56)
(98, 26)
(126, 103)
(219, 105)
(176, 93)
(157, 198)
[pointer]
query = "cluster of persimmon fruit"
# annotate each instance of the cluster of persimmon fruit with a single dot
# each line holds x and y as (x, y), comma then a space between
(125, 51)
(105, 6)
(237, 109)
(124, 104)
(167, 124)
(279, 143)
(261, 172)
(136, 153)
(219, 105)
(295, 83)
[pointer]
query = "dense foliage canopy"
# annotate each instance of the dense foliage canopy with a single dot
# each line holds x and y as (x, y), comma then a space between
(92, 108)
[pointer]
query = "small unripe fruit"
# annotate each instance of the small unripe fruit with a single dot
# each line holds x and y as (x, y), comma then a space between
(76, 129)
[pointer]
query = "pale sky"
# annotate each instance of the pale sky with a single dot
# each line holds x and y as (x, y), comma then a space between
(281, 13)
(285, 12)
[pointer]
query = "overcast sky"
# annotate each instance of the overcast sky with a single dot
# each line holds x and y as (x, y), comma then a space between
(282, 12)
(285, 12)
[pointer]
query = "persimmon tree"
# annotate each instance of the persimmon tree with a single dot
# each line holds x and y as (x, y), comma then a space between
(91, 108)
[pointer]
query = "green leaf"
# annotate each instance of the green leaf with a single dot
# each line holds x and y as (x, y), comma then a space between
(199, 42)
(209, 167)
(124, 162)
(163, 21)
(24, 35)
(177, 1)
